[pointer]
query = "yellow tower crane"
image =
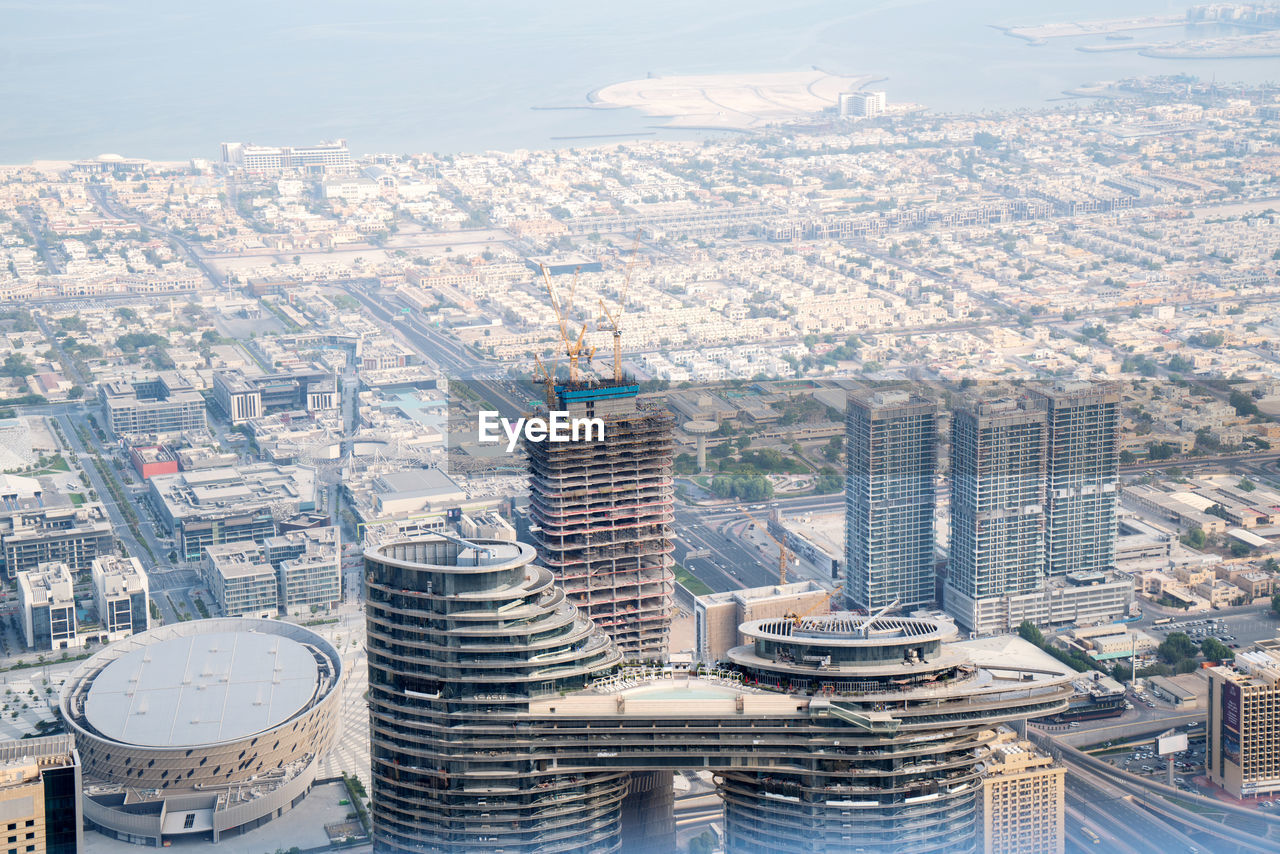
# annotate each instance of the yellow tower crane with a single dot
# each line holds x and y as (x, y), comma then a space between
(784, 554)
(548, 378)
(573, 347)
(615, 321)
(821, 603)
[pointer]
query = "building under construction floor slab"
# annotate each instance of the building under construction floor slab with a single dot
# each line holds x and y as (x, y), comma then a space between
(602, 513)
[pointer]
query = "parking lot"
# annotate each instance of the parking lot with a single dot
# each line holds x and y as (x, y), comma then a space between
(1222, 628)
(1142, 760)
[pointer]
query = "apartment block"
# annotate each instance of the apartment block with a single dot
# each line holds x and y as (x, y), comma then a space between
(40, 802)
(39, 525)
(1244, 722)
(862, 105)
(308, 567)
(997, 507)
(1023, 798)
(1082, 472)
(312, 159)
(120, 590)
(164, 404)
(48, 607)
(602, 511)
(892, 448)
(243, 398)
(241, 582)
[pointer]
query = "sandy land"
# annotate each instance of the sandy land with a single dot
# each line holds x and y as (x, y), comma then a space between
(1038, 34)
(731, 101)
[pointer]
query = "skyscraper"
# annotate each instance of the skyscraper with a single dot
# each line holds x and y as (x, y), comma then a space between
(464, 637)
(892, 443)
(602, 511)
(500, 720)
(997, 509)
(1083, 468)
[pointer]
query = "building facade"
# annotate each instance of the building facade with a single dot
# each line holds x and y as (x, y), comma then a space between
(48, 604)
(1243, 732)
(40, 804)
(240, 580)
(202, 729)
(862, 105)
(892, 449)
(243, 398)
(120, 590)
(39, 525)
(475, 633)
(602, 512)
(308, 568)
(1083, 469)
(164, 404)
(997, 507)
(1023, 799)
(230, 504)
(319, 159)
(502, 719)
(717, 616)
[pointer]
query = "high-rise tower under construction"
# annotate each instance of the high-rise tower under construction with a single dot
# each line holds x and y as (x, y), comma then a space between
(602, 511)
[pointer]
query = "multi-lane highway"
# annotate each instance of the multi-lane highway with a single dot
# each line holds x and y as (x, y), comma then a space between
(731, 563)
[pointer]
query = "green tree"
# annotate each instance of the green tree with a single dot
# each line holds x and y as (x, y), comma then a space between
(1028, 632)
(829, 483)
(1275, 604)
(16, 366)
(1176, 647)
(1215, 650)
(1243, 403)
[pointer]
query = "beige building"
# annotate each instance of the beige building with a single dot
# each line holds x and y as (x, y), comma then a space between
(1023, 799)
(1244, 697)
(717, 616)
(40, 796)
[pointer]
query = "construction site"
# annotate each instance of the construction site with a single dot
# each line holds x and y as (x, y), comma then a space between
(602, 510)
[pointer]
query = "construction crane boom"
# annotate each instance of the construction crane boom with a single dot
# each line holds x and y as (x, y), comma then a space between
(784, 554)
(572, 346)
(548, 378)
(822, 603)
(615, 321)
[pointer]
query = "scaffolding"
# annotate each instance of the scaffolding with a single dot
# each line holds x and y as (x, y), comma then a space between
(602, 514)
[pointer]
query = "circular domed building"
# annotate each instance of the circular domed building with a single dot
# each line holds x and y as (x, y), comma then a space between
(206, 727)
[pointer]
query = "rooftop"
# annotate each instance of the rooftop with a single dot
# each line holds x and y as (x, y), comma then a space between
(202, 689)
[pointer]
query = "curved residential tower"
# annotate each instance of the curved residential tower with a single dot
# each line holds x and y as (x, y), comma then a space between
(502, 719)
(461, 639)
